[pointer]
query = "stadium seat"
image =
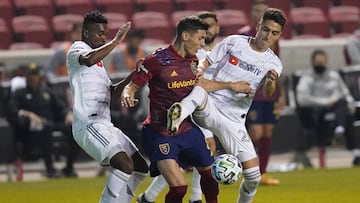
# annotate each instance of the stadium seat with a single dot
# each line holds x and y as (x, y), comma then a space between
(25, 46)
(5, 35)
(344, 19)
(177, 15)
(199, 5)
(155, 25)
(125, 7)
(73, 7)
(307, 37)
(115, 20)
(321, 4)
(234, 4)
(29, 28)
(230, 21)
(43, 8)
(7, 11)
(163, 6)
(62, 25)
(309, 21)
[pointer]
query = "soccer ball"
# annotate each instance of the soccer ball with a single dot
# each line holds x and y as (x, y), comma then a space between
(226, 169)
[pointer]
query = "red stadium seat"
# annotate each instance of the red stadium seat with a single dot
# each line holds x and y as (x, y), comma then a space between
(43, 8)
(155, 25)
(177, 15)
(307, 37)
(25, 46)
(115, 20)
(344, 19)
(125, 7)
(73, 6)
(309, 21)
(5, 35)
(199, 5)
(163, 6)
(284, 5)
(62, 25)
(7, 11)
(30, 28)
(244, 5)
(321, 4)
(230, 21)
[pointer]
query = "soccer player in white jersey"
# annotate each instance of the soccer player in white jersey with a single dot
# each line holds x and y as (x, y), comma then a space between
(159, 183)
(92, 128)
(220, 103)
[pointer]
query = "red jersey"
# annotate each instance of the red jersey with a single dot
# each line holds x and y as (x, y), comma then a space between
(170, 78)
(259, 95)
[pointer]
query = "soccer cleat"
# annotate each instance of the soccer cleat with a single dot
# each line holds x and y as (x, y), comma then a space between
(173, 118)
(356, 161)
(141, 199)
(267, 180)
(197, 201)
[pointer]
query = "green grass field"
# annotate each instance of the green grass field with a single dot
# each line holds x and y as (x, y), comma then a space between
(305, 186)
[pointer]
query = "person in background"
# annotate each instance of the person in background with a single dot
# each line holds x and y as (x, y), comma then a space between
(56, 67)
(264, 111)
(126, 54)
(33, 112)
(320, 91)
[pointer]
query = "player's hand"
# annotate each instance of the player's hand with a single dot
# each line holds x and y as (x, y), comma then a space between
(68, 119)
(241, 87)
(200, 72)
(121, 33)
(128, 97)
(271, 75)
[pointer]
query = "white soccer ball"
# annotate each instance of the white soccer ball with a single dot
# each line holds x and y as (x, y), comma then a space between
(226, 169)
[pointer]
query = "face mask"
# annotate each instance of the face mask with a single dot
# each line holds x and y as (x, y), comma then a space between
(319, 69)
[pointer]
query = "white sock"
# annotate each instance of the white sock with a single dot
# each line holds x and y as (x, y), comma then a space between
(195, 187)
(154, 189)
(195, 99)
(127, 193)
(115, 182)
(251, 179)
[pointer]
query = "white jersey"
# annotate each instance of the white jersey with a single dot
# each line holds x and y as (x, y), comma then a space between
(90, 88)
(234, 60)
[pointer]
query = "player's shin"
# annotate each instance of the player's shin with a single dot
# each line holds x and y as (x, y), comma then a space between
(115, 182)
(249, 184)
(195, 187)
(176, 194)
(127, 193)
(156, 186)
(209, 186)
(195, 100)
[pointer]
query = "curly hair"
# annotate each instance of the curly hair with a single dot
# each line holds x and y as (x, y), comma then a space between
(93, 17)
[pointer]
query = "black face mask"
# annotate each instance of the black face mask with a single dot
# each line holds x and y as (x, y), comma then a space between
(319, 69)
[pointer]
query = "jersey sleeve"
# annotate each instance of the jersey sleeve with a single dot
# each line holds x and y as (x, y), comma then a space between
(143, 73)
(75, 51)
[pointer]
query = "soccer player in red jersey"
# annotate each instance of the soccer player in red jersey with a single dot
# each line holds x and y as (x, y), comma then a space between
(171, 74)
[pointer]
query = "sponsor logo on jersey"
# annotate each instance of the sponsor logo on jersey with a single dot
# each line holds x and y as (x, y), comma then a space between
(180, 84)
(164, 148)
(233, 60)
(173, 74)
(100, 64)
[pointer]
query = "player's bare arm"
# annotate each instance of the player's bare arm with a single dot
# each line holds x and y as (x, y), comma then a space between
(128, 95)
(203, 65)
(99, 54)
(118, 87)
(270, 83)
(212, 86)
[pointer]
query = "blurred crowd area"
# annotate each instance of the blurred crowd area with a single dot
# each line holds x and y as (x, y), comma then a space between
(36, 24)
(33, 31)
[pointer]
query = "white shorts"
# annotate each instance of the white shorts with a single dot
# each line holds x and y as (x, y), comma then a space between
(207, 133)
(102, 141)
(232, 135)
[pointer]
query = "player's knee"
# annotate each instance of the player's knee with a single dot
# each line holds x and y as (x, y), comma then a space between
(201, 96)
(122, 162)
(140, 163)
(252, 177)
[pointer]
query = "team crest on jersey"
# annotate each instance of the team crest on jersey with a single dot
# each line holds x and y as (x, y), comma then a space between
(164, 148)
(193, 66)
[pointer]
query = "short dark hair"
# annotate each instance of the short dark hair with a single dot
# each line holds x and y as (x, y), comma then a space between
(207, 14)
(92, 17)
(191, 24)
(276, 15)
(317, 52)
